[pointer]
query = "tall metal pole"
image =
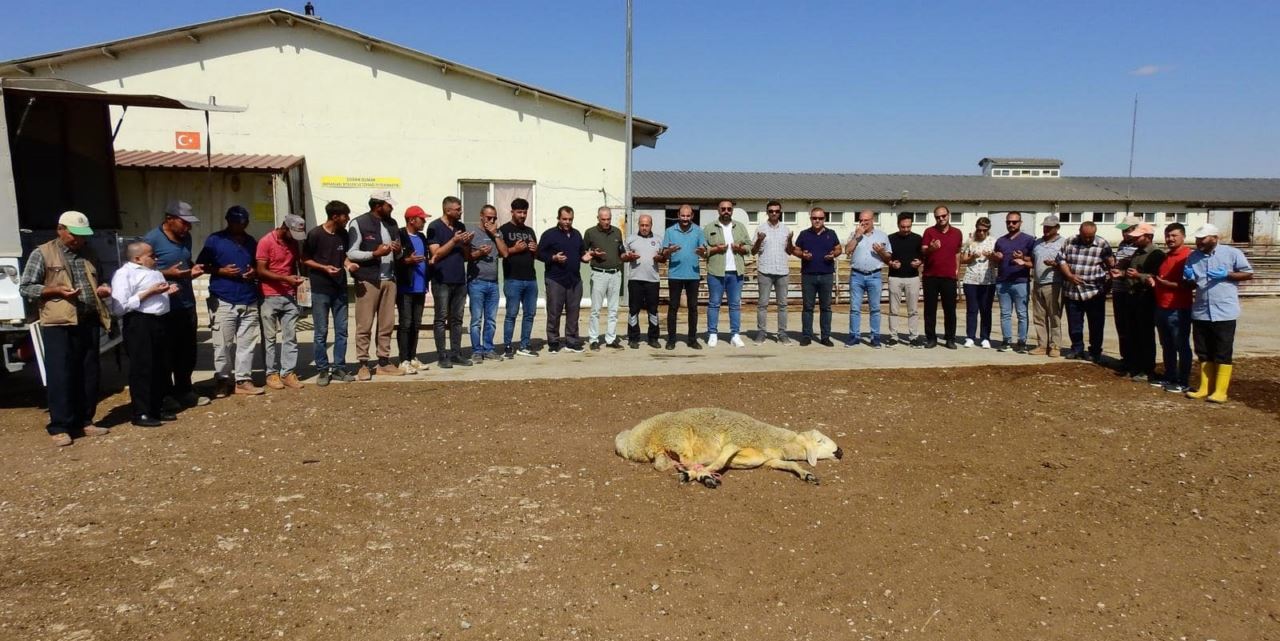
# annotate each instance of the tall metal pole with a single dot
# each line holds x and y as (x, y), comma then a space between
(626, 198)
(1133, 138)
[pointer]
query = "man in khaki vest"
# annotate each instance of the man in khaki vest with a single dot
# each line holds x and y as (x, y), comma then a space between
(62, 279)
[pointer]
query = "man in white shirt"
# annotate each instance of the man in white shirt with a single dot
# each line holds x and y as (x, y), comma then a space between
(141, 294)
(773, 248)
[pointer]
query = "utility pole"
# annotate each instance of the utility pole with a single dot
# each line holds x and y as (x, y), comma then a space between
(626, 197)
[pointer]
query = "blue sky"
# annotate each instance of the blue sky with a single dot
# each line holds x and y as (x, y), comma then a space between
(885, 87)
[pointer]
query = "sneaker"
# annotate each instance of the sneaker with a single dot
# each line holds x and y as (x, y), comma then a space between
(341, 375)
(1176, 388)
(1021, 348)
(364, 373)
(805, 341)
(671, 345)
(759, 339)
(477, 358)
(1138, 378)
(274, 381)
(633, 344)
(445, 363)
(595, 345)
(968, 342)
(917, 342)
(928, 344)
(986, 344)
(890, 341)
(825, 341)
(223, 388)
(458, 359)
(525, 351)
(852, 341)
(509, 354)
(61, 440)
(713, 340)
(694, 344)
(616, 344)
(654, 344)
(1004, 346)
(736, 341)
(247, 388)
(291, 381)
(94, 430)
(576, 349)
(144, 420)
(191, 399)
(1156, 382)
(554, 349)
(388, 370)
(322, 379)
(783, 339)
(951, 344)
(875, 342)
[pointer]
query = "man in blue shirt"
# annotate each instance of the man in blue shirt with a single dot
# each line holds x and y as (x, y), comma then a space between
(869, 251)
(412, 277)
(1015, 252)
(683, 246)
(1214, 271)
(563, 251)
(817, 247)
(171, 242)
(228, 258)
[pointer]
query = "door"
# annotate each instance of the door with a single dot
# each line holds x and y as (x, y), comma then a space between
(1242, 227)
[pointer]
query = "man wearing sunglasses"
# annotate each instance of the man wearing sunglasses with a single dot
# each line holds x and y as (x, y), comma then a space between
(726, 262)
(817, 249)
(1015, 255)
(941, 248)
(772, 247)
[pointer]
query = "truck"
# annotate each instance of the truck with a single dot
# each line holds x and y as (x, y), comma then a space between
(57, 154)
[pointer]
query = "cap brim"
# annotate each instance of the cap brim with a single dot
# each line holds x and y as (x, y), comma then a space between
(191, 219)
(298, 235)
(79, 231)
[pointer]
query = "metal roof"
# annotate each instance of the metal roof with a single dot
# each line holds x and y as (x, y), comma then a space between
(897, 188)
(646, 131)
(196, 160)
(58, 88)
(1030, 162)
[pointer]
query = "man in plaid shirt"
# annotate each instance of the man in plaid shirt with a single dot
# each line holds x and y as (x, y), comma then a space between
(1084, 262)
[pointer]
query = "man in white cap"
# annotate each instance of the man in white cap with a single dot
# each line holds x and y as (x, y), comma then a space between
(1215, 271)
(373, 246)
(1120, 306)
(171, 242)
(277, 265)
(63, 280)
(1140, 329)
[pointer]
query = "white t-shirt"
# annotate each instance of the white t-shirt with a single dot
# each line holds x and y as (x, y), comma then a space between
(982, 271)
(730, 258)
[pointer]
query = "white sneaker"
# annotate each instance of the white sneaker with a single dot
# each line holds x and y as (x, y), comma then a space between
(712, 340)
(736, 341)
(417, 364)
(408, 368)
(986, 344)
(968, 342)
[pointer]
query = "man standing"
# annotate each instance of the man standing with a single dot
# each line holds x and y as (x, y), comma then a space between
(1047, 296)
(1215, 271)
(518, 245)
(482, 285)
(1173, 310)
(1083, 262)
(324, 252)
(277, 257)
(412, 279)
(941, 248)
(642, 282)
(63, 279)
(726, 262)
(563, 252)
(1015, 256)
(904, 280)
(817, 248)
(1121, 309)
(171, 242)
(682, 247)
(373, 245)
(772, 248)
(1140, 364)
(604, 241)
(142, 295)
(869, 250)
(228, 258)
(447, 240)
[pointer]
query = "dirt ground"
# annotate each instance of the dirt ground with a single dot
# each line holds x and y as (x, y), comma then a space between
(1030, 502)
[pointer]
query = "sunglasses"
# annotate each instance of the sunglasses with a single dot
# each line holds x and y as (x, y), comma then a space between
(726, 209)
(816, 218)
(773, 211)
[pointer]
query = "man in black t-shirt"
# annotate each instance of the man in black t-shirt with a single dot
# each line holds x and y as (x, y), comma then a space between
(904, 281)
(518, 244)
(324, 252)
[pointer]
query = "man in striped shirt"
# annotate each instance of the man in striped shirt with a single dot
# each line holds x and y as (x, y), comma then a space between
(1084, 262)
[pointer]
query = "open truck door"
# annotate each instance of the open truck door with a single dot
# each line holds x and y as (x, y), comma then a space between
(56, 154)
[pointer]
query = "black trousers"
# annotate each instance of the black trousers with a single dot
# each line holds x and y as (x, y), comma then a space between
(567, 302)
(180, 331)
(1121, 314)
(449, 300)
(676, 287)
(1094, 313)
(409, 308)
(936, 287)
(642, 303)
(1139, 331)
(145, 343)
(1214, 340)
(71, 374)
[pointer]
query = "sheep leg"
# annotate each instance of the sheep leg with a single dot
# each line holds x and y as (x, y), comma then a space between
(794, 468)
(709, 474)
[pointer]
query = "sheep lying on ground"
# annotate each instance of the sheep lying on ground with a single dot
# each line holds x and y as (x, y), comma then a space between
(700, 442)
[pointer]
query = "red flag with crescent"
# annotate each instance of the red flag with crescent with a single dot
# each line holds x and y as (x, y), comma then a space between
(186, 139)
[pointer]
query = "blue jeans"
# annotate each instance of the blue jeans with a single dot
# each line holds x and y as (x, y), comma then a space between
(977, 311)
(717, 286)
(1013, 295)
(484, 314)
(1174, 326)
(322, 305)
(519, 293)
(859, 285)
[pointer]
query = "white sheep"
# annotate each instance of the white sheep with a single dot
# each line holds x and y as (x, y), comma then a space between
(703, 441)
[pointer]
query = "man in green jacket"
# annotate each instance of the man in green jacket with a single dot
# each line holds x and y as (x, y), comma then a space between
(728, 246)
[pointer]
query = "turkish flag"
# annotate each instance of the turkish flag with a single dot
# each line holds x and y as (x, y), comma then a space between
(186, 139)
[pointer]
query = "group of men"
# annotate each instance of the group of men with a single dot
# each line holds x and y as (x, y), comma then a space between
(254, 286)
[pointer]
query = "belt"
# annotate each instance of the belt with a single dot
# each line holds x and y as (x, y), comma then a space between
(865, 272)
(605, 271)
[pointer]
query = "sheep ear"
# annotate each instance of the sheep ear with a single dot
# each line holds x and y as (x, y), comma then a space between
(812, 455)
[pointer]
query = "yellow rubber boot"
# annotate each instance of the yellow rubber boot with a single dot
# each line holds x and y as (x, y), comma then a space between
(1206, 381)
(1222, 379)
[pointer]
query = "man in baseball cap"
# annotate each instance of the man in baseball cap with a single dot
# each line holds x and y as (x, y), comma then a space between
(1139, 360)
(296, 225)
(413, 278)
(382, 196)
(1215, 271)
(171, 242)
(76, 223)
(180, 209)
(228, 258)
(1129, 221)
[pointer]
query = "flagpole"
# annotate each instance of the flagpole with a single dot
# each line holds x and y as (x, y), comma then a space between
(626, 198)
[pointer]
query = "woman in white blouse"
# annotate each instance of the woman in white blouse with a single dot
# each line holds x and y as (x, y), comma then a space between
(979, 284)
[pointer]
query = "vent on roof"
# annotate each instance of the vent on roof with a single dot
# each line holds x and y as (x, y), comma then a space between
(1021, 167)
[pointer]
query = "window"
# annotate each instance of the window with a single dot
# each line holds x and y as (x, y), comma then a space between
(754, 216)
(835, 218)
(1147, 217)
(476, 194)
(919, 218)
(957, 217)
(1071, 217)
(1175, 217)
(1035, 172)
(1053, 172)
(1104, 217)
(789, 217)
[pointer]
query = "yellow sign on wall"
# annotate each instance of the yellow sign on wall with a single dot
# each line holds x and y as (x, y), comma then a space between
(360, 182)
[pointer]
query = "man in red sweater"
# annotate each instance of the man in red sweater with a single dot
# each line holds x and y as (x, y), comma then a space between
(941, 248)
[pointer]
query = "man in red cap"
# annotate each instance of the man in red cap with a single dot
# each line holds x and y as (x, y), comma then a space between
(413, 273)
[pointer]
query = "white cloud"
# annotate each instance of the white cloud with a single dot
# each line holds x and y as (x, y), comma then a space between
(1149, 70)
